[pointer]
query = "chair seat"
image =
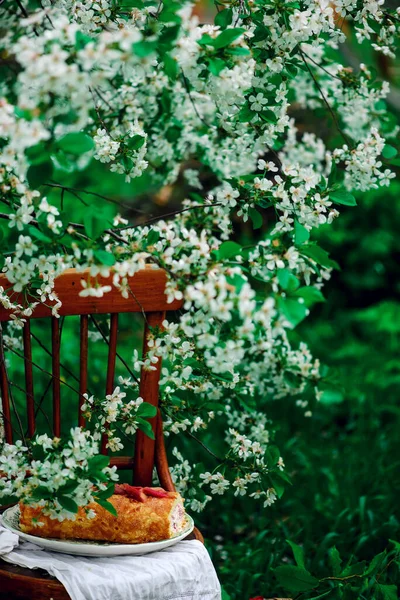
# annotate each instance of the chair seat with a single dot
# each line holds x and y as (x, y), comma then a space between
(19, 583)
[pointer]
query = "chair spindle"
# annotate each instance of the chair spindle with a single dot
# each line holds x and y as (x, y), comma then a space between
(83, 369)
(149, 385)
(112, 354)
(30, 403)
(55, 341)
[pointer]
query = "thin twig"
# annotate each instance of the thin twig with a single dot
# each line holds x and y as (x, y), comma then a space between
(166, 215)
(320, 66)
(38, 407)
(117, 354)
(41, 368)
(344, 136)
(66, 369)
(112, 200)
(221, 460)
(186, 83)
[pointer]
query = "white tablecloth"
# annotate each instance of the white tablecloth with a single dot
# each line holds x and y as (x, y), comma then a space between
(181, 572)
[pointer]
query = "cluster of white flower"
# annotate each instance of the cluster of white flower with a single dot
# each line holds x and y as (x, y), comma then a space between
(57, 476)
(112, 415)
(363, 169)
(146, 91)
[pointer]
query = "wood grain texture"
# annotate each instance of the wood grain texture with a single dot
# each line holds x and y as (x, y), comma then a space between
(17, 583)
(83, 365)
(112, 355)
(147, 295)
(148, 390)
(124, 463)
(161, 460)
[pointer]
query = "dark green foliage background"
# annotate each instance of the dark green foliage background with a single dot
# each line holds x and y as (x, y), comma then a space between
(344, 461)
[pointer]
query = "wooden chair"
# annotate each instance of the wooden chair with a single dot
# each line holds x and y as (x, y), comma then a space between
(148, 297)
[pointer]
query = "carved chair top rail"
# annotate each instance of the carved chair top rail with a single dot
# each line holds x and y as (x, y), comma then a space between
(146, 293)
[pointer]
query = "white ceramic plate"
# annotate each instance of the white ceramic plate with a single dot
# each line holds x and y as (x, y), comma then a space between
(86, 548)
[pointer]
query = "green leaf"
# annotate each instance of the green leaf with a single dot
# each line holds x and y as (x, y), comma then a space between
(94, 223)
(294, 311)
(135, 142)
(81, 40)
(238, 51)
(342, 196)
(39, 173)
(107, 505)
(268, 116)
(389, 152)
(245, 114)
(76, 143)
(206, 40)
(335, 561)
(237, 281)
(168, 35)
(331, 396)
(143, 48)
(319, 255)
(37, 154)
(332, 179)
(104, 494)
(376, 563)
(301, 234)
(355, 569)
(146, 410)
(227, 37)
(256, 218)
(39, 235)
(105, 258)
(41, 493)
(127, 161)
(310, 295)
(276, 483)
(98, 462)
(272, 455)
(298, 554)
(62, 163)
(68, 504)
(387, 592)
(68, 488)
(283, 476)
(216, 65)
(153, 237)
(146, 427)
(287, 280)
(171, 67)
(229, 250)
(291, 70)
(295, 579)
(224, 18)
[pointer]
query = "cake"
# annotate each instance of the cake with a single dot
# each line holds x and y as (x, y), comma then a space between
(143, 515)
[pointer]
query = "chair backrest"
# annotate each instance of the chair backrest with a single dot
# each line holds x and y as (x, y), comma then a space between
(146, 296)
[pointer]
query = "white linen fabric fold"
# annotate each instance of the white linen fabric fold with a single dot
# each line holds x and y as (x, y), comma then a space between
(181, 572)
